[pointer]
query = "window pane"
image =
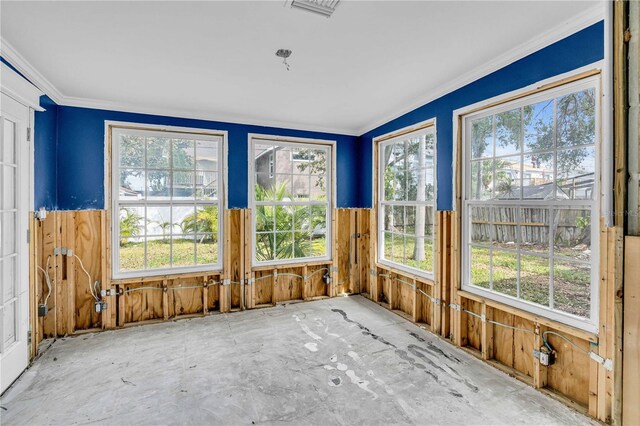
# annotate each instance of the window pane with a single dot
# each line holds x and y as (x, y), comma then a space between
(482, 137)
(207, 155)
(507, 178)
(158, 185)
(534, 229)
(183, 249)
(318, 218)
(302, 218)
(318, 244)
(8, 276)
(481, 179)
(537, 177)
(284, 164)
(504, 227)
(131, 184)
(131, 150)
(183, 153)
(8, 187)
(572, 288)
(572, 236)
(426, 263)
(300, 185)
(131, 223)
(158, 152)
(206, 185)
(412, 253)
(576, 171)
(284, 218)
(318, 188)
(576, 118)
(264, 247)
(480, 225)
(413, 214)
(398, 219)
(284, 245)
(538, 126)
(158, 220)
(264, 218)
(183, 185)
(131, 253)
(182, 220)
(206, 249)
(207, 219)
(388, 246)
(508, 129)
(283, 187)
(158, 252)
(534, 279)
(302, 244)
(479, 261)
(265, 189)
(505, 272)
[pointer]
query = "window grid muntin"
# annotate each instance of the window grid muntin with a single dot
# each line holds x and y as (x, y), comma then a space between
(590, 205)
(383, 203)
(271, 145)
(167, 201)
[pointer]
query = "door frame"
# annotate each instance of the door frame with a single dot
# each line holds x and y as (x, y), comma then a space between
(14, 86)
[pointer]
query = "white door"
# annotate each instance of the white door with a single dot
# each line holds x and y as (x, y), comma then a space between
(14, 250)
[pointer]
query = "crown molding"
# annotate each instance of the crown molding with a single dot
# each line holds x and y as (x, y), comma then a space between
(565, 29)
(581, 21)
(199, 115)
(29, 71)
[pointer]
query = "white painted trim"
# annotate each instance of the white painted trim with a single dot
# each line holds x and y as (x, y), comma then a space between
(606, 176)
(475, 111)
(108, 173)
(29, 71)
(251, 191)
(16, 87)
(378, 142)
(588, 17)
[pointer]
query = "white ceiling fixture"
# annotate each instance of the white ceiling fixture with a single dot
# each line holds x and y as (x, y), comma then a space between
(213, 60)
(321, 7)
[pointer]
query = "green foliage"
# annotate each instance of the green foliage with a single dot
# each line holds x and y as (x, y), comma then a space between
(129, 225)
(292, 225)
(205, 220)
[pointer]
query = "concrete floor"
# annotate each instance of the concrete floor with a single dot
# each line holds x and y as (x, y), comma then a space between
(334, 361)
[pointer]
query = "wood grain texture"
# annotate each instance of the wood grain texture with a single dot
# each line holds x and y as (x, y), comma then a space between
(631, 370)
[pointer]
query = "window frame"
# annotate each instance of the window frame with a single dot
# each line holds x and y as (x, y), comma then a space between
(379, 142)
(112, 183)
(505, 103)
(295, 142)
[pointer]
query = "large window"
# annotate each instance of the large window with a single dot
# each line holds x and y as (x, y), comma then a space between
(406, 201)
(531, 202)
(290, 188)
(166, 201)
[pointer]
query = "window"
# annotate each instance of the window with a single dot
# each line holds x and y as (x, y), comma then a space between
(166, 201)
(291, 207)
(406, 201)
(530, 206)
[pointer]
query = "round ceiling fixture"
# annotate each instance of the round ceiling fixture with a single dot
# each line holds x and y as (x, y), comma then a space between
(284, 54)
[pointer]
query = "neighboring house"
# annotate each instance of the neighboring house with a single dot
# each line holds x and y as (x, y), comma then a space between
(281, 165)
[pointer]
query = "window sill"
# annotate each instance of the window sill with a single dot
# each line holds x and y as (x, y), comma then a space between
(164, 276)
(407, 272)
(586, 331)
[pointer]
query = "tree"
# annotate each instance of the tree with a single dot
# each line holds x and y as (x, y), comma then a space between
(129, 225)
(204, 222)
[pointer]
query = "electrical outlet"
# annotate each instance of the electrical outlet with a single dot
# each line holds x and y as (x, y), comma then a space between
(547, 357)
(43, 310)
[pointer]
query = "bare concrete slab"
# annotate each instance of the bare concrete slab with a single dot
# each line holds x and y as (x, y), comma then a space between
(334, 361)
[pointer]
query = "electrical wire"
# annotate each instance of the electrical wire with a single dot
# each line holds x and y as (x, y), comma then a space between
(47, 279)
(316, 271)
(131, 290)
(284, 274)
(546, 343)
(91, 289)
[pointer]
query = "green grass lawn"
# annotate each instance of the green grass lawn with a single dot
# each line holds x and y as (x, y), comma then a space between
(403, 253)
(159, 251)
(571, 280)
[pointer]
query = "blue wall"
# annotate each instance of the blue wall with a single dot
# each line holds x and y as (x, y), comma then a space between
(45, 155)
(81, 155)
(575, 51)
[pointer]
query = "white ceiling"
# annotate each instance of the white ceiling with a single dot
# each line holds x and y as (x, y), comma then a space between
(368, 63)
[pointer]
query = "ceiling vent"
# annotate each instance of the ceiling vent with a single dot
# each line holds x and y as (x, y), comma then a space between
(320, 7)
